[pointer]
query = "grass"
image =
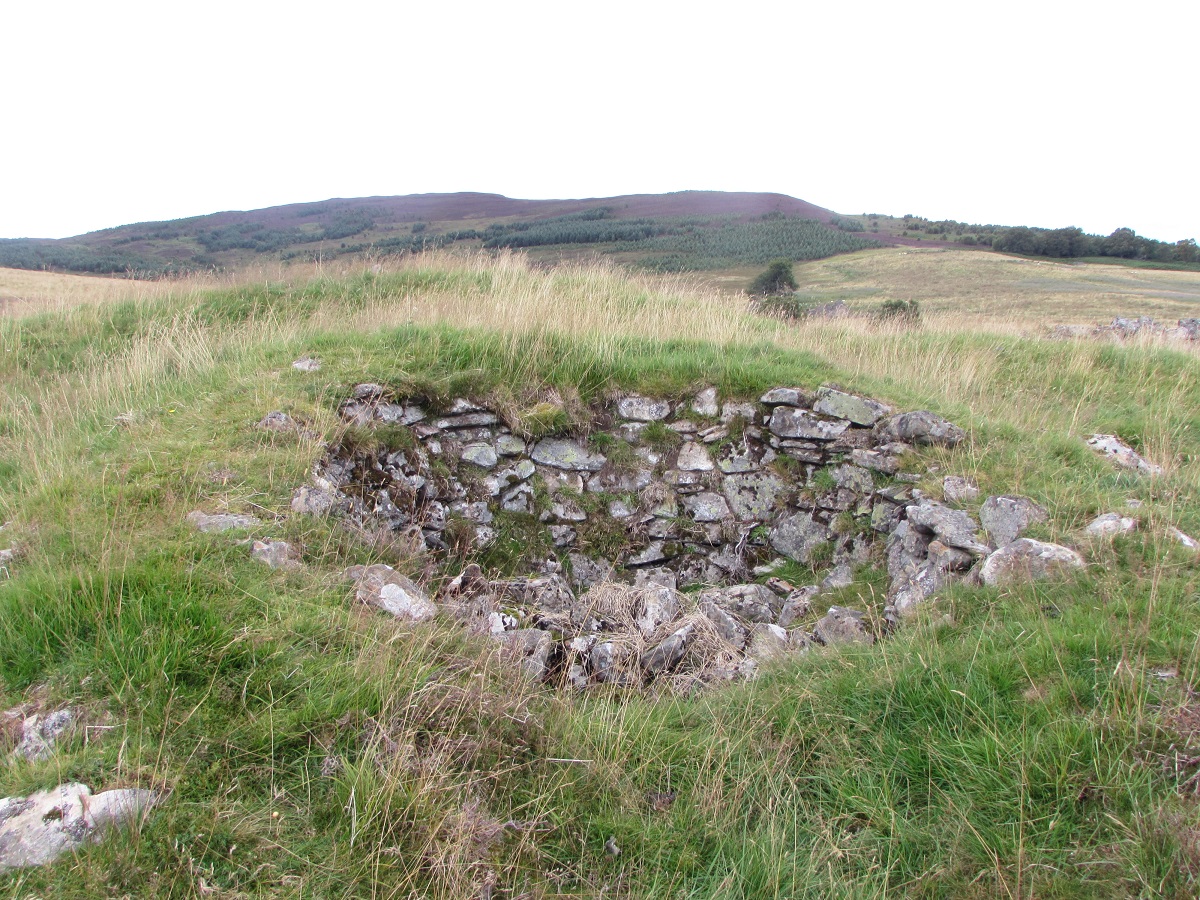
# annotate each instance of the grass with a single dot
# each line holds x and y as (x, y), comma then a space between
(1011, 743)
(998, 291)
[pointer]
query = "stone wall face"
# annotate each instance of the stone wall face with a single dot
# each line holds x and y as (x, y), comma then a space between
(710, 491)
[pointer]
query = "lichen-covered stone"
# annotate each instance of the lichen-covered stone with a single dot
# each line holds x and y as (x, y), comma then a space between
(1026, 559)
(563, 454)
(796, 536)
(789, 422)
(920, 427)
(852, 407)
(643, 409)
(1006, 517)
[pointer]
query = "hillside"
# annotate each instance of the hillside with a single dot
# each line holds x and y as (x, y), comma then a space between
(290, 733)
(381, 225)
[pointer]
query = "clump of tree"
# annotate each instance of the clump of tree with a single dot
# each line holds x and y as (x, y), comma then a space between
(777, 279)
(1070, 243)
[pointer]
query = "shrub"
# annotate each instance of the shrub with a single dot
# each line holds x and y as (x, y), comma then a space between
(777, 279)
(904, 310)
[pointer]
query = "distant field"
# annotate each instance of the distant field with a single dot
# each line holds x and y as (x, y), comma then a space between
(23, 292)
(991, 286)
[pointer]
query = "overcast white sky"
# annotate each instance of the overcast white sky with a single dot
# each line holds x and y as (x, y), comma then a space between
(1049, 113)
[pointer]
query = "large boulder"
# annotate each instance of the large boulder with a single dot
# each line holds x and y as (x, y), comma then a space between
(1005, 517)
(920, 427)
(1026, 559)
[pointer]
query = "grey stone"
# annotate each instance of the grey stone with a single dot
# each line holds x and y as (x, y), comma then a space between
(277, 420)
(1113, 448)
(40, 733)
(749, 602)
(510, 445)
(383, 587)
(368, 390)
(798, 535)
(789, 422)
(853, 478)
(707, 507)
(611, 481)
(562, 535)
(307, 364)
(910, 591)
(314, 501)
(568, 511)
(796, 605)
(852, 407)
(843, 626)
(220, 521)
(619, 509)
(276, 554)
(959, 490)
(569, 455)
(754, 496)
(786, 396)
(767, 641)
(952, 526)
(873, 459)
(668, 653)
(586, 571)
(735, 460)
(731, 411)
(643, 409)
(920, 427)
(466, 420)
(727, 627)
(1110, 525)
(657, 604)
(532, 647)
(694, 458)
(705, 403)
(840, 577)
(907, 550)
(37, 829)
(1186, 541)
(683, 426)
(652, 554)
(482, 455)
(1005, 517)
(1026, 559)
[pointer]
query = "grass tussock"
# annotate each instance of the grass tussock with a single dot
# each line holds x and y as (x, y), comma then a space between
(1035, 741)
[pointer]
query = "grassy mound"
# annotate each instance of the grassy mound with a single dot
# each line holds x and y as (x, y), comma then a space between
(1030, 741)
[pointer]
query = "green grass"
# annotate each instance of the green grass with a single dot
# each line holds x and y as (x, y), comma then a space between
(1008, 743)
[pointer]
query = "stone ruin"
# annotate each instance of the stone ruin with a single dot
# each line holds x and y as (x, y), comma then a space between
(663, 528)
(1126, 327)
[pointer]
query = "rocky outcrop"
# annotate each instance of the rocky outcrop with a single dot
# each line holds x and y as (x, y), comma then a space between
(1006, 517)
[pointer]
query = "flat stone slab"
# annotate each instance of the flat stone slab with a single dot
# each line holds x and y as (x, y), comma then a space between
(1122, 455)
(790, 422)
(852, 407)
(561, 454)
(38, 828)
(221, 521)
